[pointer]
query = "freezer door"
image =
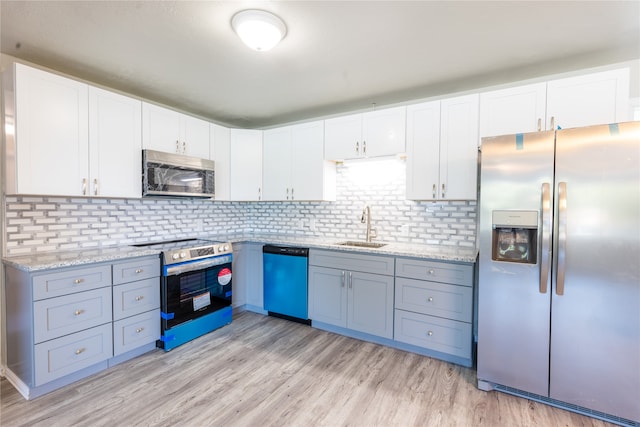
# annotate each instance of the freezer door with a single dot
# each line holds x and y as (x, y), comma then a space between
(514, 298)
(595, 323)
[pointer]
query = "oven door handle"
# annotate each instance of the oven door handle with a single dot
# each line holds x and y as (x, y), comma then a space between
(195, 266)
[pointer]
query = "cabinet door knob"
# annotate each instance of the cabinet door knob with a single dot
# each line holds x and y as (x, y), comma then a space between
(430, 333)
(430, 299)
(77, 281)
(432, 271)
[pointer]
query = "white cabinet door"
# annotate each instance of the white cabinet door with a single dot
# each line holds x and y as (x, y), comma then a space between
(276, 163)
(459, 148)
(343, 137)
(160, 129)
(370, 307)
(372, 134)
(51, 153)
(515, 110)
(115, 144)
(220, 151)
(328, 295)
(383, 132)
(597, 98)
(246, 165)
(423, 150)
(195, 137)
(312, 178)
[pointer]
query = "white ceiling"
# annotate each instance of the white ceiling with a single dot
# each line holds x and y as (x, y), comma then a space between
(337, 56)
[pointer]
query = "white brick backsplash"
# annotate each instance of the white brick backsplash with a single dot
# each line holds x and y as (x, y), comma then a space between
(35, 224)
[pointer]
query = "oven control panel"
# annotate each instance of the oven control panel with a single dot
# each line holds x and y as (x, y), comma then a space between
(189, 254)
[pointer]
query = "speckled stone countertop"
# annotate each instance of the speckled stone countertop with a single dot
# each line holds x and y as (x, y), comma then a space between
(49, 260)
(442, 253)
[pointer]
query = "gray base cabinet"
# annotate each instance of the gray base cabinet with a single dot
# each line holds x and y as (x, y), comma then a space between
(434, 306)
(352, 291)
(66, 323)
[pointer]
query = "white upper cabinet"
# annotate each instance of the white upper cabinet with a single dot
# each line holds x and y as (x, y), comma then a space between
(49, 154)
(115, 144)
(372, 134)
(515, 110)
(442, 149)
(293, 164)
(220, 149)
(245, 155)
(591, 99)
(72, 139)
(173, 132)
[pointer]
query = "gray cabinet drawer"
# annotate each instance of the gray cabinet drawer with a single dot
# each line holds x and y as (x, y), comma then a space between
(376, 264)
(437, 299)
(136, 331)
(139, 269)
(435, 333)
(456, 274)
(70, 281)
(60, 316)
(57, 358)
(136, 297)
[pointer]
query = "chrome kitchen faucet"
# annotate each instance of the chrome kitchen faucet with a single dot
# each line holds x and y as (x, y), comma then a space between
(366, 217)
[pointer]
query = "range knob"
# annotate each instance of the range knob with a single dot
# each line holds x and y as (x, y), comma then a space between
(226, 247)
(183, 254)
(175, 256)
(220, 248)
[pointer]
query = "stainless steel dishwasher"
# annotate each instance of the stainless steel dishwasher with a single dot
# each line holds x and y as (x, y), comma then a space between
(286, 282)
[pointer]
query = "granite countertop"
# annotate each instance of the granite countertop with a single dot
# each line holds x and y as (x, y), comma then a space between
(434, 252)
(49, 260)
(58, 259)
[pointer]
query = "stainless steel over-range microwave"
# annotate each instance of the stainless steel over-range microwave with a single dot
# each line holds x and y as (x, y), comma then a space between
(167, 174)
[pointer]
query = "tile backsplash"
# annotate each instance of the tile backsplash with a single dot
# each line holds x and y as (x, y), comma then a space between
(40, 224)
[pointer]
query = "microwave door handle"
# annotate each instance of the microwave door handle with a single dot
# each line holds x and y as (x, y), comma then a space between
(545, 241)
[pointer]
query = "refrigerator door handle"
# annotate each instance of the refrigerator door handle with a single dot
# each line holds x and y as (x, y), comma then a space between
(545, 242)
(562, 236)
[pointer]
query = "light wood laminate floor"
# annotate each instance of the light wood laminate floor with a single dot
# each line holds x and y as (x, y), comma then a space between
(264, 371)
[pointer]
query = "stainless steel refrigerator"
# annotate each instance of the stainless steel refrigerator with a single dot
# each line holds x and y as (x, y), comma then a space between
(559, 268)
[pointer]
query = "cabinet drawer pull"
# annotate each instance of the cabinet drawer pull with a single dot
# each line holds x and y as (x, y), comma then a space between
(95, 186)
(430, 299)
(443, 191)
(350, 280)
(357, 148)
(84, 186)
(80, 351)
(139, 330)
(342, 282)
(139, 270)
(177, 146)
(364, 148)
(434, 191)
(78, 281)
(78, 312)
(430, 333)
(139, 297)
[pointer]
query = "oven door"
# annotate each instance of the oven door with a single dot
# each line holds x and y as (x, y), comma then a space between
(194, 289)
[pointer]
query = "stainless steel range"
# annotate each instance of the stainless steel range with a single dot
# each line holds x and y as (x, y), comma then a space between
(196, 289)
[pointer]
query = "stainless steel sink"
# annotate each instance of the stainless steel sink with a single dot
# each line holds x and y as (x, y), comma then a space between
(360, 244)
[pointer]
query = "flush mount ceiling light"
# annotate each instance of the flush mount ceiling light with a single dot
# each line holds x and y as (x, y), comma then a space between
(258, 29)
